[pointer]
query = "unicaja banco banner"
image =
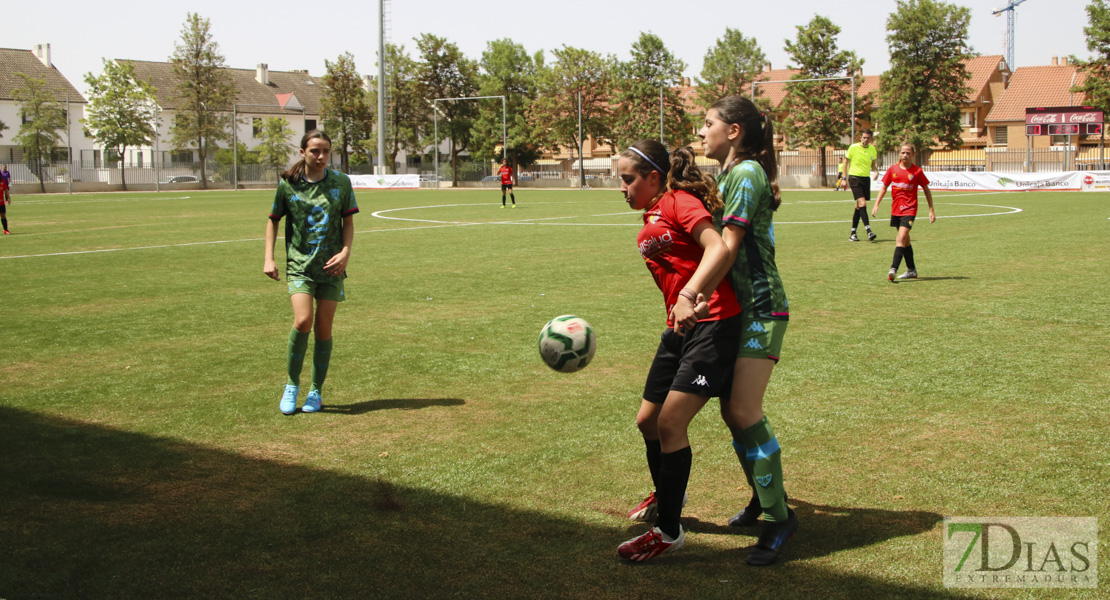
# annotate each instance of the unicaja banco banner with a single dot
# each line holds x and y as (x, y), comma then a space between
(1021, 552)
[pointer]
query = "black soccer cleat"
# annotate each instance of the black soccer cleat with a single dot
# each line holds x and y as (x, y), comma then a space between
(772, 540)
(751, 513)
(871, 236)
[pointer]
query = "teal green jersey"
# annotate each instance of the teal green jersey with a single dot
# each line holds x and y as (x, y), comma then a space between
(314, 215)
(749, 203)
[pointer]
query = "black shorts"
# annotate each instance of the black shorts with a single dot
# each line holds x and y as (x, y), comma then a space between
(506, 186)
(906, 221)
(861, 186)
(701, 362)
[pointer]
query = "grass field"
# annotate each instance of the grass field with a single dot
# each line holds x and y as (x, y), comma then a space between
(143, 358)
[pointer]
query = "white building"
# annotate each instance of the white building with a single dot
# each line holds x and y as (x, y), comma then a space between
(36, 63)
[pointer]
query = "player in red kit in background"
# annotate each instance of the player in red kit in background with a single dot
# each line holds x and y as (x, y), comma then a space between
(904, 178)
(506, 173)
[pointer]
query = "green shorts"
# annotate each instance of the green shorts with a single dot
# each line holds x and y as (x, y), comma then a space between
(761, 338)
(320, 291)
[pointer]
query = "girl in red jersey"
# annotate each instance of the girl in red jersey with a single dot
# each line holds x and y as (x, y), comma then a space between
(904, 178)
(506, 174)
(695, 357)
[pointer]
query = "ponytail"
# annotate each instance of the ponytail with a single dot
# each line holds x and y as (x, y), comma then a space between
(682, 172)
(296, 172)
(758, 142)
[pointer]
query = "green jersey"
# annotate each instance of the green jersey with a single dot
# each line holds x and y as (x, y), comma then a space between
(314, 215)
(860, 159)
(749, 203)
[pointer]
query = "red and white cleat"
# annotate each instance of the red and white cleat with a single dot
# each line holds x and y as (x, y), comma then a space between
(649, 545)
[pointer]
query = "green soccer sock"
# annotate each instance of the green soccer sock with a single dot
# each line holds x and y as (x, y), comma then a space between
(766, 458)
(321, 356)
(742, 454)
(298, 343)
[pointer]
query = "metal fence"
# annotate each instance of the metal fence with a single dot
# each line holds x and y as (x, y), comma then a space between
(799, 162)
(1001, 160)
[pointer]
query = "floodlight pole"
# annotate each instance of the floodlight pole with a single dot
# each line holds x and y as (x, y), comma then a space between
(381, 87)
(755, 83)
(661, 117)
(504, 132)
(581, 161)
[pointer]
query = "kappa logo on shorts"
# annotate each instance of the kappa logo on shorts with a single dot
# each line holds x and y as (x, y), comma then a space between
(753, 344)
(757, 326)
(764, 480)
(334, 194)
(298, 283)
(700, 380)
(910, 222)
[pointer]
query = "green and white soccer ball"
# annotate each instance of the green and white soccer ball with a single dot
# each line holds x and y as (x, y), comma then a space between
(567, 343)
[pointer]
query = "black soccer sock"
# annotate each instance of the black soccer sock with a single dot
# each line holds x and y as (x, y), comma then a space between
(674, 474)
(855, 220)
(908, 253)
(898, 251)
(513, 196)
(502, 199)
(5, 223)
(654, 450)
(863, 215)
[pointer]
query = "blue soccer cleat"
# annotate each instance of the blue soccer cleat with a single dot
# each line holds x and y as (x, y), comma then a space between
(288, 403)
(312, 402)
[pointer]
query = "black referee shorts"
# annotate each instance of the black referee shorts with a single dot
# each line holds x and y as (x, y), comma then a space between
(701, 362)
(861, 186)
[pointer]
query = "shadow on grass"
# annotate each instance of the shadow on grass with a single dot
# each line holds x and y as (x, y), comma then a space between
(824, 530)
(92, 512)
(359, 408)
(937, 278)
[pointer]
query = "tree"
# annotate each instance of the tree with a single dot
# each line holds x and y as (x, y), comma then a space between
(206, 92)
(227, 159)
(729, 68)
(1096, 86)
(642, 84)
(554, 114)
(42, 117)
(926, 86)
(345, 108)
(444, 72)
(817, 112)
(507, 70)
(407, 110)
(122, 110)
(276, 147)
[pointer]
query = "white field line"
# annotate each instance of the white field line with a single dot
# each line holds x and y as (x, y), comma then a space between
(445, 224)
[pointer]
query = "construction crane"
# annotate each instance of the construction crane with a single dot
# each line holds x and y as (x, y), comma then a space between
(1009, 36)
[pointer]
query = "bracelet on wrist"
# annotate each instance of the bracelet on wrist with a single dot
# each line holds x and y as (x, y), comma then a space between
(689, 295)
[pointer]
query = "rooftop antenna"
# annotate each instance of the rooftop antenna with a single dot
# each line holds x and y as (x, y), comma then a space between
(1008, 35)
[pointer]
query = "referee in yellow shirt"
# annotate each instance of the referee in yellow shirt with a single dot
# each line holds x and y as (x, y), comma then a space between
(860, 161)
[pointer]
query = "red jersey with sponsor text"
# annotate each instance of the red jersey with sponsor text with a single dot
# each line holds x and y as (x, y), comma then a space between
(672, 254)
(506, 174)
(903, 184)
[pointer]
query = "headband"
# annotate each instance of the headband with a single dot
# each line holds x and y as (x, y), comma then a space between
(657, 167)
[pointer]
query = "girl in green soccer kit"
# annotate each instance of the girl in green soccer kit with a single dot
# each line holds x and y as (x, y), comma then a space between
(738, 136)
(319, 206)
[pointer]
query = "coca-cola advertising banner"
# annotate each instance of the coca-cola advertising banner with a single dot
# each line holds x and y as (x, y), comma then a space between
(1062, 114)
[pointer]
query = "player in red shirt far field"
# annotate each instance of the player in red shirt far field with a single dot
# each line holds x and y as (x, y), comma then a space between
(904, 178)
(506, 173)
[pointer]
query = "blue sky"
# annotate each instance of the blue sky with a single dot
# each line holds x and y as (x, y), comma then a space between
(300, 35)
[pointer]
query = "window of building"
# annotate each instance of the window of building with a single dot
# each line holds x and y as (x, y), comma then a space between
(967, 119)
(256, 127)
(1001, 135)
(309, 125)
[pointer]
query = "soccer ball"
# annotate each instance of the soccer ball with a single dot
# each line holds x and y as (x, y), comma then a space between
(567, 343)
